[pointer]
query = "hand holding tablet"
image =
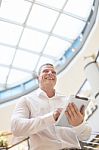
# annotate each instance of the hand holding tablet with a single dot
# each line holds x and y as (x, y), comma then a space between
(78, 101)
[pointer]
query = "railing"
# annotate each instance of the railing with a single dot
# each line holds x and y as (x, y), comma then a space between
(93, 144)
(6, 142)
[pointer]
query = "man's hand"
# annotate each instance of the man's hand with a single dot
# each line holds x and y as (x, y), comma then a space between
(75, 116)
(57, 113)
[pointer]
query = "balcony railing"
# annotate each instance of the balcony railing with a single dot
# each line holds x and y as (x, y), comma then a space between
(6, 139)
(93, 144)
(6, 142)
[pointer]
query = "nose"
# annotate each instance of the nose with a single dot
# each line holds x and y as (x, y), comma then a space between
(50, 72)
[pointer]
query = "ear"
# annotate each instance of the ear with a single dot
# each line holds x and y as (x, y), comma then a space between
(37, 77)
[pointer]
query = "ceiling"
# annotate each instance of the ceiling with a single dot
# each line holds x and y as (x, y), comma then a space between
(35, 32)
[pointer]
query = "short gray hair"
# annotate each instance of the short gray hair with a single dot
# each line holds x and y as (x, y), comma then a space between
(46, 64)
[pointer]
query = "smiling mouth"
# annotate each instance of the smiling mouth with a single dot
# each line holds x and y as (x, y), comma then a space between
(47, 78)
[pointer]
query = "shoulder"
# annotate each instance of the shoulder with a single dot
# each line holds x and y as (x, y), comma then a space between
(23, 100)
(28, 99)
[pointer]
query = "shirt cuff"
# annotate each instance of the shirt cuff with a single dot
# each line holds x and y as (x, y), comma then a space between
(80, 127)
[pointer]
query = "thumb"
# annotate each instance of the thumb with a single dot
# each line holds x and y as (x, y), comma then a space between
(57, 113)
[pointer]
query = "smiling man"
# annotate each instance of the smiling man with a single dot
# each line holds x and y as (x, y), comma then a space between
(35, 116)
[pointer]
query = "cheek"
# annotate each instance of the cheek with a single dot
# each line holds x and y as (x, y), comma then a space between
(55, 79)
(41, 78)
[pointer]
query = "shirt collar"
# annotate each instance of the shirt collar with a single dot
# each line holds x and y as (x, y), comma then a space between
(40, 92)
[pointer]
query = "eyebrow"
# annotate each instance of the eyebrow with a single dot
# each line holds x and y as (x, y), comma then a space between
(48, 69)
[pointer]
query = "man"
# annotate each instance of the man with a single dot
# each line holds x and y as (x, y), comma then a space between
(35, 116)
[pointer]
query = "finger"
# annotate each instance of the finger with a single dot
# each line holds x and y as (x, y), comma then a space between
(75, 109)
(71, 111)
(68, 115)
(82, 110)
(56, 114)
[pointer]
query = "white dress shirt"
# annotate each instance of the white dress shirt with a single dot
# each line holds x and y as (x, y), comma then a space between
(33, 117)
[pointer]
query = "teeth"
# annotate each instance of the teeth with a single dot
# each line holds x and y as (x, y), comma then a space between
(49, 78)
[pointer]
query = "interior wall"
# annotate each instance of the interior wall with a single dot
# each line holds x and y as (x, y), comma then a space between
(5, 115)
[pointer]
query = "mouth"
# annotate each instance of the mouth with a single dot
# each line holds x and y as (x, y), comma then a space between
(49, 78)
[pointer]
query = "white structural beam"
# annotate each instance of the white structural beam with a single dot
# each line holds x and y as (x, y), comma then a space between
(92, 73)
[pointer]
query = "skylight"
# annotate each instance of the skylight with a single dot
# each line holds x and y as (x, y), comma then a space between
(35, 32)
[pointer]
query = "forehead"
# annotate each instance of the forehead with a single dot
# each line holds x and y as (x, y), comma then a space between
(49, 67)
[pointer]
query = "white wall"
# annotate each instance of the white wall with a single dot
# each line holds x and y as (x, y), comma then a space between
(5, 115)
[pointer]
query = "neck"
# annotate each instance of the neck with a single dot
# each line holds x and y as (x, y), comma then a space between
(50, 92)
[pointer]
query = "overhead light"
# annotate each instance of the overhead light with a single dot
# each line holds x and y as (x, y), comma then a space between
(73, 49)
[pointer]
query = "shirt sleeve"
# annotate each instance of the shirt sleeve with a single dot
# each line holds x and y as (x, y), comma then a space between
(22, 125)
(83, 131)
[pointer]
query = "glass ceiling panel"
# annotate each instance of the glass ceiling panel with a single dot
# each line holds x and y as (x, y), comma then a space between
(80, 8)
(68, 27)
(56, 45)
(53, 3)
(9, 33)
(6, 55)
(16, 77)
(15, 10)
(42, 18)
(33, 40)
(25, 60)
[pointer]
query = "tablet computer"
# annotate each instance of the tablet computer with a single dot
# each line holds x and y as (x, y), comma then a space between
(78, 101)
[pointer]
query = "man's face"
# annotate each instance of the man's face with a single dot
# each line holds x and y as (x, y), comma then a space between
(47, 76)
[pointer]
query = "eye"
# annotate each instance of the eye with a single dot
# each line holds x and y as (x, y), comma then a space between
(53, 72)
(45, 71)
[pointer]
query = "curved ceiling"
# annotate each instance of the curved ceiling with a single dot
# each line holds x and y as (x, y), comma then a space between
(35, 32)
